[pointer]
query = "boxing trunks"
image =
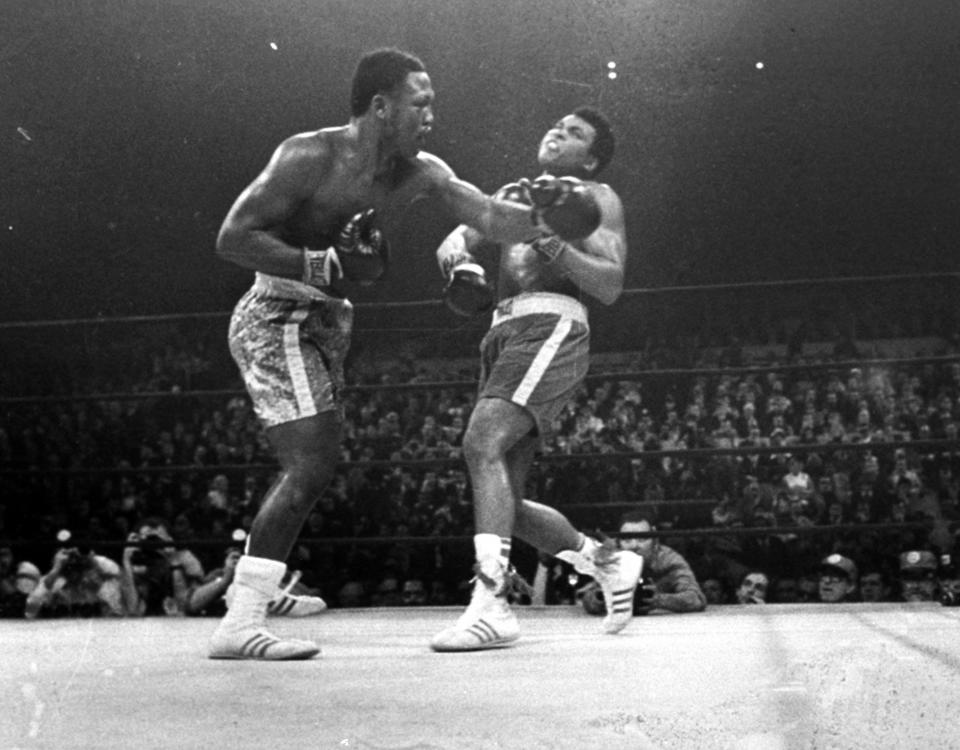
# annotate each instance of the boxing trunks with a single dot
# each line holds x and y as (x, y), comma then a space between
(290, 341)
(536, 353)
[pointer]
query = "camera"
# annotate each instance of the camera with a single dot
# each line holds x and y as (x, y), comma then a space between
(150, 554)
(75, 562)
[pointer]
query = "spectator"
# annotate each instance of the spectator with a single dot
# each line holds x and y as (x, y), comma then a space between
(786, 590)
(17, 581)
(797, 481)
(158, 578)
(210, 596)
(948, 575)
(838, 579)
(414, 592)
(79, 584)
(352, 594)
(753, 588)
(918, 576)
(387, 593)
(875, 585)
(715, 591)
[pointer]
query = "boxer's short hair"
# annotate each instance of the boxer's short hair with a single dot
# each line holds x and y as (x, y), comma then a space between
(378, 72)
(604, 142)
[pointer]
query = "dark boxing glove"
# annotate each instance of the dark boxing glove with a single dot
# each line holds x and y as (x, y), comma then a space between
(467, 292)
(362, 250)
(565, 206)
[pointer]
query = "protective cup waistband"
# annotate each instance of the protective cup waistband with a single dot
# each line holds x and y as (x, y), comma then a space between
(277, 286)
(539, 303)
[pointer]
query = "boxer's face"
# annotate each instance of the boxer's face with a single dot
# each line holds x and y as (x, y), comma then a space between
(565, 149)
(408, 114)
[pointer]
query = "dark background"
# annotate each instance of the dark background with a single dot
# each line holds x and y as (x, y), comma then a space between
(127, 127)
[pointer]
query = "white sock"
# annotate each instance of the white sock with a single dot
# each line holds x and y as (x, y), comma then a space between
(493, 554)
(581, 558)
(255, 583)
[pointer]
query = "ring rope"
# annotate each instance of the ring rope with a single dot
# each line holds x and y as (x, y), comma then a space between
(734, 286)
(939, 445)
(441, 384)
(708, 531)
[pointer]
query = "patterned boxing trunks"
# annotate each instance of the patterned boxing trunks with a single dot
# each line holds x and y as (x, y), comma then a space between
(290, 351)
(536, 353)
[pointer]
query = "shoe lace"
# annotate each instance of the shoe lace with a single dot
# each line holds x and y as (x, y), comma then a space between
(605, 556)
(513, 587)
(288, 589)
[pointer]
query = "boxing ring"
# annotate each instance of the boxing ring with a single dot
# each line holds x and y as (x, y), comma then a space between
(774, 677)
(778, 677)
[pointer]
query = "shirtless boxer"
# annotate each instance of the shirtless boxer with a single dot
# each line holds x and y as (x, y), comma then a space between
(533, 359)
(307, 224)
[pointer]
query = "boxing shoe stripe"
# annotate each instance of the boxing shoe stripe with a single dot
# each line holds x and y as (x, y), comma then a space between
(254, 645)
(483, 631)
(281, 606)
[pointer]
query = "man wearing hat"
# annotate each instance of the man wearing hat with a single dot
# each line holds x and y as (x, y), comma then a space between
(948, 575)
(16, 582)
(918, 576)
(838, 579)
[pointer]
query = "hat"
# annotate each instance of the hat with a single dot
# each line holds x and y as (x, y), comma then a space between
(948, 567)
(918, 561)
(838, 562)
(28, 576)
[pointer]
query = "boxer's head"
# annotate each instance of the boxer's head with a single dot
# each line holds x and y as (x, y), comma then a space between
(381, 71)
(604, 143)
(580, 144)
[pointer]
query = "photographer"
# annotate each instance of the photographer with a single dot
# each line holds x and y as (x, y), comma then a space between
(79, 584)
(210, 595)
(156, 577)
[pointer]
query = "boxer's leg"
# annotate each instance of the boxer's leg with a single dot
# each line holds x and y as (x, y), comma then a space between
(495, 427)
(307, 450)
(277, 346)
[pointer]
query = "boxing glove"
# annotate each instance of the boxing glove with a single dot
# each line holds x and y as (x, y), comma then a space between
(467, 292)
(362, 250)
(321, 268)
(514, 191)
(565, 206)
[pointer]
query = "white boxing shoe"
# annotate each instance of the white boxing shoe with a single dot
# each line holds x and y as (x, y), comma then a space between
(241, 633)
(488, 621)
(257, 643)
(618, 572)
(286, 604)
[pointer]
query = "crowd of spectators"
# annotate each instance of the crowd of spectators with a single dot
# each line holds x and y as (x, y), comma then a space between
(834, 446)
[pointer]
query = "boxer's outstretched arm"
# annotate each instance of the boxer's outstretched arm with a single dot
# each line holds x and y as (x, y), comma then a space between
(498, 220)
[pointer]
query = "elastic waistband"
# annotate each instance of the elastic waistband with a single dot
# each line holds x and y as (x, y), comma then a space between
(539, 303)
(277, 286)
